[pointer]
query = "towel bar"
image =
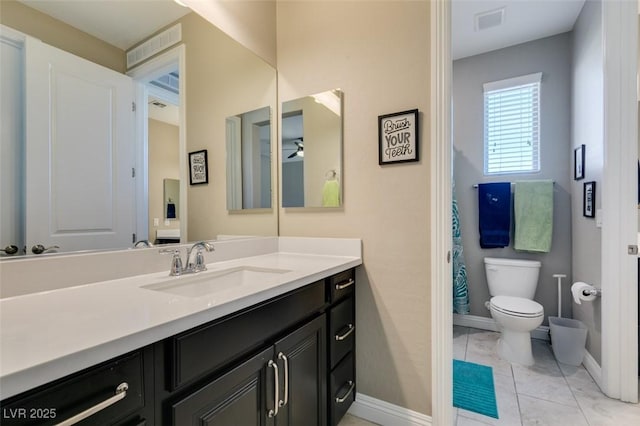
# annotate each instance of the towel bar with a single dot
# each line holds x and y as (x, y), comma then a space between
(475, 186)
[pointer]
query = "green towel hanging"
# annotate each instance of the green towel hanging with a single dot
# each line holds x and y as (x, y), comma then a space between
(533, 215)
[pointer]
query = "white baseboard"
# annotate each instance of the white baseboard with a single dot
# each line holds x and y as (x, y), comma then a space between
(386, 414)
(593, 368)
(484, 323)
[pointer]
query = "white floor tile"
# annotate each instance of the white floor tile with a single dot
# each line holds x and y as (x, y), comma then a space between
(536, 411)
(547, 393)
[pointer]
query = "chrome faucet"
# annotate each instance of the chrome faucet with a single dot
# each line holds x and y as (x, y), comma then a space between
(195, 258)
(195, 262)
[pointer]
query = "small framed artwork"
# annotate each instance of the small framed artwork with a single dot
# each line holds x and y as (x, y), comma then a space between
(198, 168)
(578, 163)
(398, 137)
(589, 200)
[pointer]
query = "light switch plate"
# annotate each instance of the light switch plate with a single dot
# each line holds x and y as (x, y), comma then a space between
(167, 222)
(598, 218)
(156, 221)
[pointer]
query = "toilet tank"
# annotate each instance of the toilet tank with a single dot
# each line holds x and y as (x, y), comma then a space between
(512, 277)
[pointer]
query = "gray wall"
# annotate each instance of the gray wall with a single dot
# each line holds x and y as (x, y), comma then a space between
(552, 57)
(588, 115)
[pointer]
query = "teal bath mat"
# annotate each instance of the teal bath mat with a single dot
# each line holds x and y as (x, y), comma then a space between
(473, 388)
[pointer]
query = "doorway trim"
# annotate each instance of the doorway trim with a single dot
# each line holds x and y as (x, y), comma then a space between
(620, 309)
(619, 225)
(142, 74)
(440, 225)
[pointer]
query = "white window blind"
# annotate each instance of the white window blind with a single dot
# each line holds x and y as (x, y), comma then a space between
(512, 125)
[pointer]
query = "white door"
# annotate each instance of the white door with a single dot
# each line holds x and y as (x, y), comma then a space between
(11, 141)
(79, 152)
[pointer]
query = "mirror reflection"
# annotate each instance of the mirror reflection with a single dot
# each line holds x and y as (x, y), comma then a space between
(171, 199)
(249, 160)
(312, 150)
(223, 78)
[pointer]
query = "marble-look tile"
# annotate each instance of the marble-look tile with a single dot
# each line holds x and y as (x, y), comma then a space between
(603, 411)
(481, 349)
(547, 384)
(465, 421)
(506, 400)
(349, 420)
(460, 342)
(539, 412)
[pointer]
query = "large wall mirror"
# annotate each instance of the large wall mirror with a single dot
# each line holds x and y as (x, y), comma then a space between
(221, 78)
(312, 150)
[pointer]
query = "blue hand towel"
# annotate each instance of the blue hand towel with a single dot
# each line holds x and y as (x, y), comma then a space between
(494, 208)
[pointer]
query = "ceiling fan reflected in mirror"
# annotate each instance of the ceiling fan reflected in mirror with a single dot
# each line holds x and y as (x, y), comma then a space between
(299, 151)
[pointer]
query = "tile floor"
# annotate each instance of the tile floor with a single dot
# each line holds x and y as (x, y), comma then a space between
(349, 420)
(548, 393)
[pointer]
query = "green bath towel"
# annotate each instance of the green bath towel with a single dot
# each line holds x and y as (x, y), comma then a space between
(533, 213)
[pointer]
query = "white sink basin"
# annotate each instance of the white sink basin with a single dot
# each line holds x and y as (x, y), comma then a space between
(207, 282)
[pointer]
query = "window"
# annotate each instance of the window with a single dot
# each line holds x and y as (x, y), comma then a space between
(512, 125)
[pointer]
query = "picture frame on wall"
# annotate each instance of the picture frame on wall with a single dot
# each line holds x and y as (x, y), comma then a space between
(198, 167)
(398, 137)
(589, 200)
(578, 162)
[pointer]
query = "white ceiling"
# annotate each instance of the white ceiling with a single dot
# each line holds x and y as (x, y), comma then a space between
(122, 23)
(524, 20)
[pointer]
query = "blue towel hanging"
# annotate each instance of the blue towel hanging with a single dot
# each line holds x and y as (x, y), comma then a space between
(494, 208)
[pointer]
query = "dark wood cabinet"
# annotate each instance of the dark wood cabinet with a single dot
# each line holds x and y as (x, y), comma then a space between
(342, 344)
(238, 397)
(288, 361)
(121, 387)
(301, 358)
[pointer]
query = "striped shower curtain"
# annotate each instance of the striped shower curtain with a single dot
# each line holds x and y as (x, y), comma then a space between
(460, 291)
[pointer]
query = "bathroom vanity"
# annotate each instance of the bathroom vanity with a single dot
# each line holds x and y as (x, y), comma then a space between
(276, 352)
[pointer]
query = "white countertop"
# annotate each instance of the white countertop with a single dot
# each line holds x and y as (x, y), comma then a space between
(48, 335)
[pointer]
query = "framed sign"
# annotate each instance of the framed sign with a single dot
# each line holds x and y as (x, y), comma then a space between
(198, 168)
(589, 200)
(398, 137)
(578, 163)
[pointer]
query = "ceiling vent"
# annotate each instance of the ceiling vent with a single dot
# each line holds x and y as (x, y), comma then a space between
(154, 45)
(490, 19)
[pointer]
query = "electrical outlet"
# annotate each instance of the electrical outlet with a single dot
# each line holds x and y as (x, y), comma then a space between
(156, 221)
(167, 222)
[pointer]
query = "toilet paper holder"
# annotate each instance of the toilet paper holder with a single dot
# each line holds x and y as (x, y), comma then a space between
(592, 292)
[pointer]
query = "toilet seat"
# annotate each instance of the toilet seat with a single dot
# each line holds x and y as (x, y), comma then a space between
(517, 306)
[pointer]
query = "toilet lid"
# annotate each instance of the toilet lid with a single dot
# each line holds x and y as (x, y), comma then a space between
(517, 306)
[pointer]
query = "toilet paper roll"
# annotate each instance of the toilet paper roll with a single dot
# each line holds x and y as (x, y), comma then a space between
(577, 290)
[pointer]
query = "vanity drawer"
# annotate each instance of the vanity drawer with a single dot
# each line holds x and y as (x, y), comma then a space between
(342, 327)
(210, 347)
(56, 402)
(341, 284)
(342, 389)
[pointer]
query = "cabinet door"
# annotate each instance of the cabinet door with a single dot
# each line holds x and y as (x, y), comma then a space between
(240, 397)
(302, 364)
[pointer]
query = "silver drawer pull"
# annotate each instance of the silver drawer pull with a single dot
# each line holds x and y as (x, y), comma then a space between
(352, 385)
(276, 397)
(121, 392)
(345, 285)
(351, 329)
(286, 379)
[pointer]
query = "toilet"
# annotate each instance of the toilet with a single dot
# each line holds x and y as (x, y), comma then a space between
(512, 285)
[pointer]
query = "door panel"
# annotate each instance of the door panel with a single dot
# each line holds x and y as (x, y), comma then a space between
(79, 152)
(305, 352)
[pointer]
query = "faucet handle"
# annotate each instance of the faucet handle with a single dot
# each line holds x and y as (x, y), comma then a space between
(199, 265)
(176, 261)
